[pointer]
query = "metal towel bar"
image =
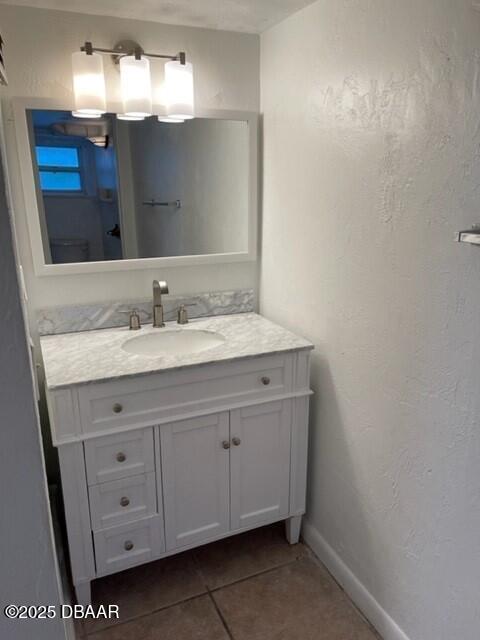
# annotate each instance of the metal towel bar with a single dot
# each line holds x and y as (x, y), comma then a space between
(157, 203)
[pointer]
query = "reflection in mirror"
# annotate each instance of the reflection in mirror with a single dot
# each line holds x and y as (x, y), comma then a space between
(109, 189)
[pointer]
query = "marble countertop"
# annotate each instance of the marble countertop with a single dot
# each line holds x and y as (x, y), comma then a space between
(97, 356)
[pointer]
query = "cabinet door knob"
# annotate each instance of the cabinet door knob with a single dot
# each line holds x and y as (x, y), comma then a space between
(124, 501)
(265, 380)
(226, 444)
(121, 457)
(128, 546)
(117, 408)
(236, 441)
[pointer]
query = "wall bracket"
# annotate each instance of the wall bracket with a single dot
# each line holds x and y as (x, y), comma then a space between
(470, 236)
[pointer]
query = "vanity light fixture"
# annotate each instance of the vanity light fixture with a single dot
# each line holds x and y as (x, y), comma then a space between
(135, 80)
(88, 82)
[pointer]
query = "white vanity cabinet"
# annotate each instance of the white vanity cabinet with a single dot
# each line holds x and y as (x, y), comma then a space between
(260, 463)
(155, 464)
(225, 472)
(196, 479)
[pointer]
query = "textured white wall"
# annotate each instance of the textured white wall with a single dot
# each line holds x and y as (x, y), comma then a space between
(38, 46)
(371, 160)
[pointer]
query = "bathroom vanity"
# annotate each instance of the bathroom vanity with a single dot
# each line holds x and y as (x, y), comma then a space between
(164, 448)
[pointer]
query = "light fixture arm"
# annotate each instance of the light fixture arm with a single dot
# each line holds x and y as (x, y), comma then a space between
(137, 51)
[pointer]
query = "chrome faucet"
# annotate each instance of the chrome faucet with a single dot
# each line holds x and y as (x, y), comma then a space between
(159, 287)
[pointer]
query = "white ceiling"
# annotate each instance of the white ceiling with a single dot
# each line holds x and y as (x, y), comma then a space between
(251, 16)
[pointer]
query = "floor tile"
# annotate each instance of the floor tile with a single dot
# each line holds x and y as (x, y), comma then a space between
(195, 619)
(147, 588)
(299, 600)
(246, 554)
(79, 633)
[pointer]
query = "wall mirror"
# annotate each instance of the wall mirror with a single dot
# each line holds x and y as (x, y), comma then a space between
(109, 194)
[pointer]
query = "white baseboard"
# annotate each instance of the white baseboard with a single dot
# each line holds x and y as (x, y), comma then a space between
(371, 609)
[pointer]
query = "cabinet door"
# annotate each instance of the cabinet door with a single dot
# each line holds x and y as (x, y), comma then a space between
(195, 472)
(260, 463)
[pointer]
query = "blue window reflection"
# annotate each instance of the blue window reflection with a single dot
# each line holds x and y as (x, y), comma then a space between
(59, 169)
(57, 157)
(60, 181)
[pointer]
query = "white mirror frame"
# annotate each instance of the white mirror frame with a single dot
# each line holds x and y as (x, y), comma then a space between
(20, 106)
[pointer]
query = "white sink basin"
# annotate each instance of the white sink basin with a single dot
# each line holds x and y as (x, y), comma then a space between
(171, 342)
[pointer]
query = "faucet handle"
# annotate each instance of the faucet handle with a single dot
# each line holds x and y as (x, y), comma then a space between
(182, 313)
(134, 320)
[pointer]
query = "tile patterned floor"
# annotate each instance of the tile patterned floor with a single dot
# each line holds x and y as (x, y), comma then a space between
(254, 586)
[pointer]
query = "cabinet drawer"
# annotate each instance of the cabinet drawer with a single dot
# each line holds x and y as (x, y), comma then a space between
(120, 501)
(119, 456)
(125, 546)
(150, 399)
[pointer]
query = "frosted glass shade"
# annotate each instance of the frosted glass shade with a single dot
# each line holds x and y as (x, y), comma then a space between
(80, 114)
(160, 100)
(170, 120)
(179, 90)
(88, 84)
(136, 86)
(125, 116)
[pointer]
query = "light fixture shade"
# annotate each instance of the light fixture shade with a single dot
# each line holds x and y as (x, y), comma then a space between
(179, 90)
(170, 120)
(136, 86)
(125, 116)
(88, 84)
(160, 100)
(80, 114)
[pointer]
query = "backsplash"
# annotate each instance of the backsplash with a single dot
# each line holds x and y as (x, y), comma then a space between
(102, 315)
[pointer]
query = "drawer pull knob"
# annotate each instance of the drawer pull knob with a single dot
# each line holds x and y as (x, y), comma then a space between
(128, 546)
(226, 444)
(117, 408)
(121, 457)
(265, 380)
(124, 501)
(236, 441)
